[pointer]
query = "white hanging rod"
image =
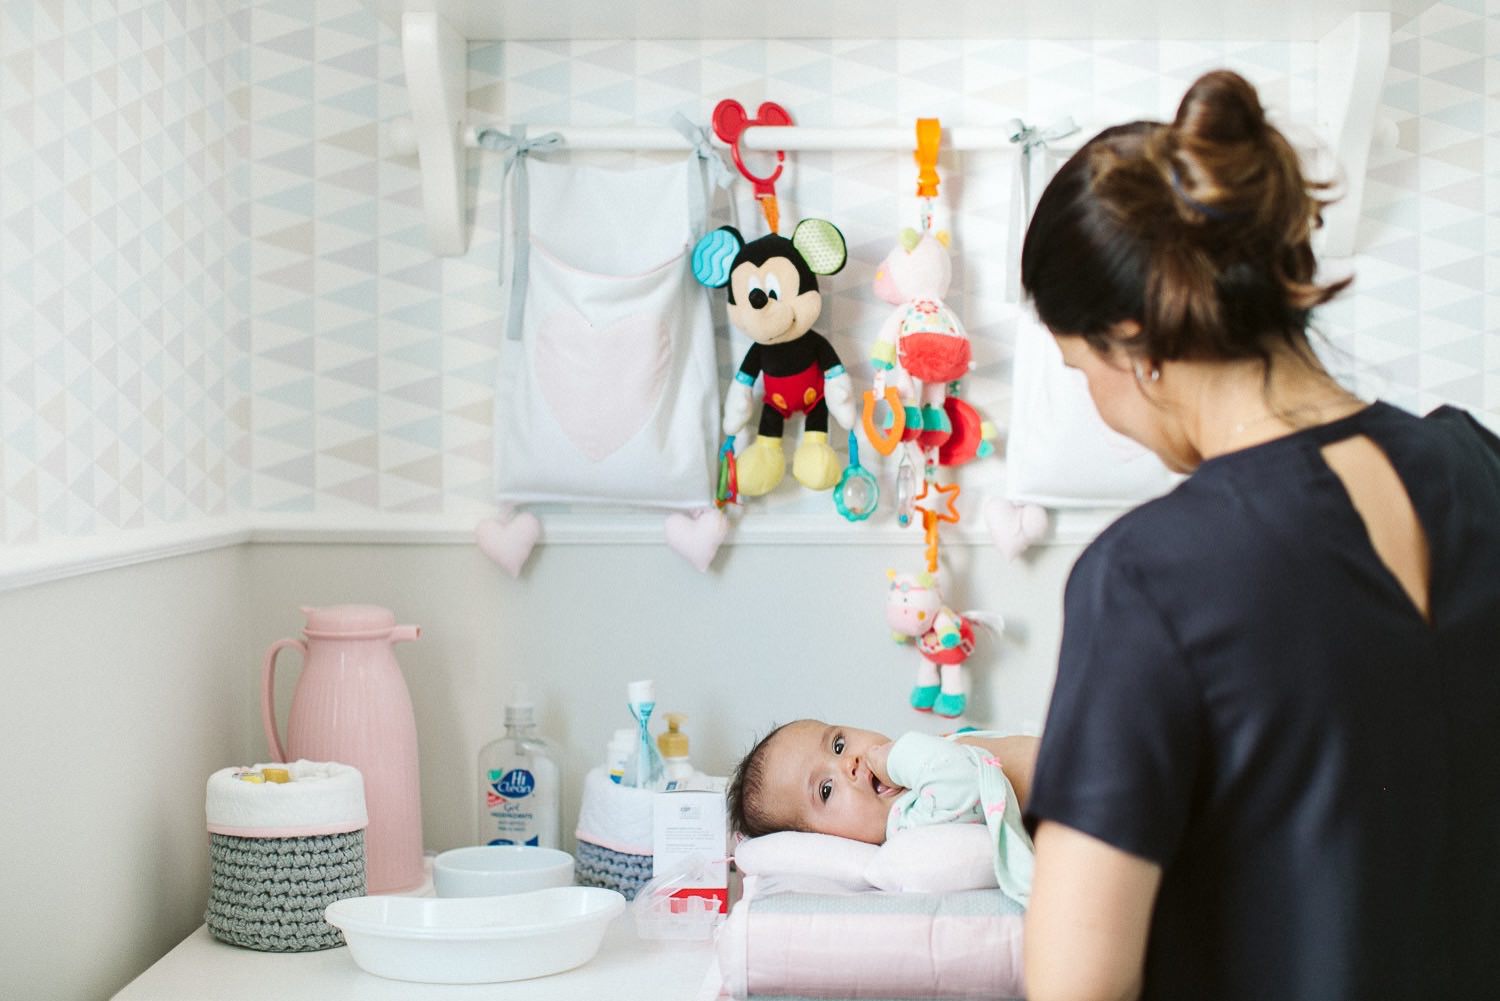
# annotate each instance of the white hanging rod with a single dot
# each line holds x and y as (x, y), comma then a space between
(780, 137)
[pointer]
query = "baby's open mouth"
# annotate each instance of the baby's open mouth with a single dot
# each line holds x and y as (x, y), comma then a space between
(881, 789)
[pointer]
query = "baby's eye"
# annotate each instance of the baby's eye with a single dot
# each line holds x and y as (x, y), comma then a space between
(825, 790)
(838, 745)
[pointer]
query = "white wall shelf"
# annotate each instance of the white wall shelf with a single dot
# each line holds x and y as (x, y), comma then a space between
(1268, 20)
(1352, 36)
(29, 564)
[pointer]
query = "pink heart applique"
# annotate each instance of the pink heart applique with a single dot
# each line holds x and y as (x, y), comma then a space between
(509, 542)
(1013, 528)
(601, 383)
(697, 536)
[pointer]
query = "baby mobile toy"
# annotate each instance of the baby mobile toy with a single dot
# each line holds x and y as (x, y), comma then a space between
(919, 356)
(774, 299)
(916, 612)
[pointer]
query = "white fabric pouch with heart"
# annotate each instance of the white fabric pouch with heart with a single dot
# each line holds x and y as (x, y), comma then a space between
(609, 394)
(1059, 452)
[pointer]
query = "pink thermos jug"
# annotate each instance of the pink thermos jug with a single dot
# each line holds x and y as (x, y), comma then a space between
(352, 706)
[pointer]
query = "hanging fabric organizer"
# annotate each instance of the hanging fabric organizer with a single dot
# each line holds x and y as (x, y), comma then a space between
(657, 382)
(607, 387)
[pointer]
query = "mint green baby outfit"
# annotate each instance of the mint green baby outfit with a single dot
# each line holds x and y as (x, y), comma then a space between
(948, 782)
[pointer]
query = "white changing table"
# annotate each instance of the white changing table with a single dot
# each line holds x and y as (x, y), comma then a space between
(627, 968)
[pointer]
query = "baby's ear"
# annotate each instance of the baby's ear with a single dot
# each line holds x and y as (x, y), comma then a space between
(821, 245)
(714, 254)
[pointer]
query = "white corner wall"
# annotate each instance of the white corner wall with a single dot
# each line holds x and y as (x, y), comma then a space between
(123, 690)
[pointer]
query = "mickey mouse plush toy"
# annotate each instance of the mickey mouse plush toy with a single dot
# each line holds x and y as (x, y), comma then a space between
(774, 298)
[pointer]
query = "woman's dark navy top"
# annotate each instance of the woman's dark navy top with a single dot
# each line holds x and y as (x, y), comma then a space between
(1247, 697)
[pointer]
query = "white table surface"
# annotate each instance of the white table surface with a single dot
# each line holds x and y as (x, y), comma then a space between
(627, 968)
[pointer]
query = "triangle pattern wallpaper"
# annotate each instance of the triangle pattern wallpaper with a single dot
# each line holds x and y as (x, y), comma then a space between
(216, 295)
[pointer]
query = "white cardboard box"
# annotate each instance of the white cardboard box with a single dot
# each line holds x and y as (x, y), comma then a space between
(688, 822)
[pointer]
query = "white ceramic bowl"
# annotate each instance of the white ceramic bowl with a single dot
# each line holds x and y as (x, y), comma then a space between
(492, 870)
(480, 940)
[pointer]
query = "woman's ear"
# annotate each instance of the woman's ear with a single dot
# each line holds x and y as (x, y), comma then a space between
(821, 245)
(714, 254)
(1122, 343)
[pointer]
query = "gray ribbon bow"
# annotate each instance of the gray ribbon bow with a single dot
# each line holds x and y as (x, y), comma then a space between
(516, 147)
(1030, 137)
(720, 175)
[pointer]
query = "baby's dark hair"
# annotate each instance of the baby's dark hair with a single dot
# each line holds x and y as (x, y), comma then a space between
(748, 812)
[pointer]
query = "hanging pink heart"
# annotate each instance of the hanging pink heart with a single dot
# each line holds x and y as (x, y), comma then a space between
(697, 536)
(508, 539)
(1014, 527)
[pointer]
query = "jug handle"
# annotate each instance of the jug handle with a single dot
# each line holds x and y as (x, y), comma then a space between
(268, 695)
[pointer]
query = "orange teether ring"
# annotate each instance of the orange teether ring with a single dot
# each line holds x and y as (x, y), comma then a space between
(884, 442)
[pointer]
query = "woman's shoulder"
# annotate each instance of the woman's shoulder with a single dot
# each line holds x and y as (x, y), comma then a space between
(1241, 509)
(1463, 432)
(1151, 530)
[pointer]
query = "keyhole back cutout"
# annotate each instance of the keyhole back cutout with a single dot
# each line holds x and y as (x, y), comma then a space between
(1382, 503)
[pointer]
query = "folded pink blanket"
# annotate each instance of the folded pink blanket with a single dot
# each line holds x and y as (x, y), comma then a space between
(965, 944)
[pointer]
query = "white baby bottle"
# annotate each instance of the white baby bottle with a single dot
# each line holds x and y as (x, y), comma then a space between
(618, 754)
(520, 799)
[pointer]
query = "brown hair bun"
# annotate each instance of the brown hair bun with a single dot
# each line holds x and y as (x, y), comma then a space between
(1198, 230)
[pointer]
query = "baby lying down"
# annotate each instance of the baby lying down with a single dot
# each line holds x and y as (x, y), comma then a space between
(812, 776)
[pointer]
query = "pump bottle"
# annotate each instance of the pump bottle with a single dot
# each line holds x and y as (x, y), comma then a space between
(520, 795)
(673, 745)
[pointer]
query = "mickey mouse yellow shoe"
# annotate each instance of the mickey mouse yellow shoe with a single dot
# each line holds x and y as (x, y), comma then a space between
(761, 466)
(815, 464)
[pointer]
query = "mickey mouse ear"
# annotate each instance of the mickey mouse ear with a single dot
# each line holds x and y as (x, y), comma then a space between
(821, 245)
(714, 254)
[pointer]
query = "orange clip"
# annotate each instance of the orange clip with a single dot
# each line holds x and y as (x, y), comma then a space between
(929, 137)
(884, 442)
(931, 517)
(771, 211)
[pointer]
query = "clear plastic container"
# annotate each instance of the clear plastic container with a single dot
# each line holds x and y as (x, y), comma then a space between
(659, 915)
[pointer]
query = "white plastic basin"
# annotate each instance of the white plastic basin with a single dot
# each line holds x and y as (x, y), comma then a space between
(476, 940)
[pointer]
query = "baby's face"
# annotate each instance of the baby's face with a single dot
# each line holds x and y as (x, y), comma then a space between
(819, 777)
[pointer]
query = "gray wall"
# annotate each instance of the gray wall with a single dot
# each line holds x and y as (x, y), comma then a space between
(122, 691)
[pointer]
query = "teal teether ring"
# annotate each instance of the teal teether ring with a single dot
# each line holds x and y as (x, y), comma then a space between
(858, 492)
(712, 256)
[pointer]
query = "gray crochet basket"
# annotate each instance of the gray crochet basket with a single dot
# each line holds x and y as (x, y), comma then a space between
(285, 840)
(599, 866)
(269, 893)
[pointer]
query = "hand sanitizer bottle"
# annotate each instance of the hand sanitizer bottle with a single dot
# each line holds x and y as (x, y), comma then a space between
(520, 798)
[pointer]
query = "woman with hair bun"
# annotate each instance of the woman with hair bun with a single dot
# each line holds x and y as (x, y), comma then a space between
(1271, 766)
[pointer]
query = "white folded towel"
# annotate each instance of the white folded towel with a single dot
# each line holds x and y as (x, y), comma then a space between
(614, 816)
(323, 797)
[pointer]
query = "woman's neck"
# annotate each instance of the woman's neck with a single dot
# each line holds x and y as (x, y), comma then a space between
(1230, 406)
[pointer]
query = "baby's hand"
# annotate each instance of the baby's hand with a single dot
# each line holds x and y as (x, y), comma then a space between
(876, 759)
